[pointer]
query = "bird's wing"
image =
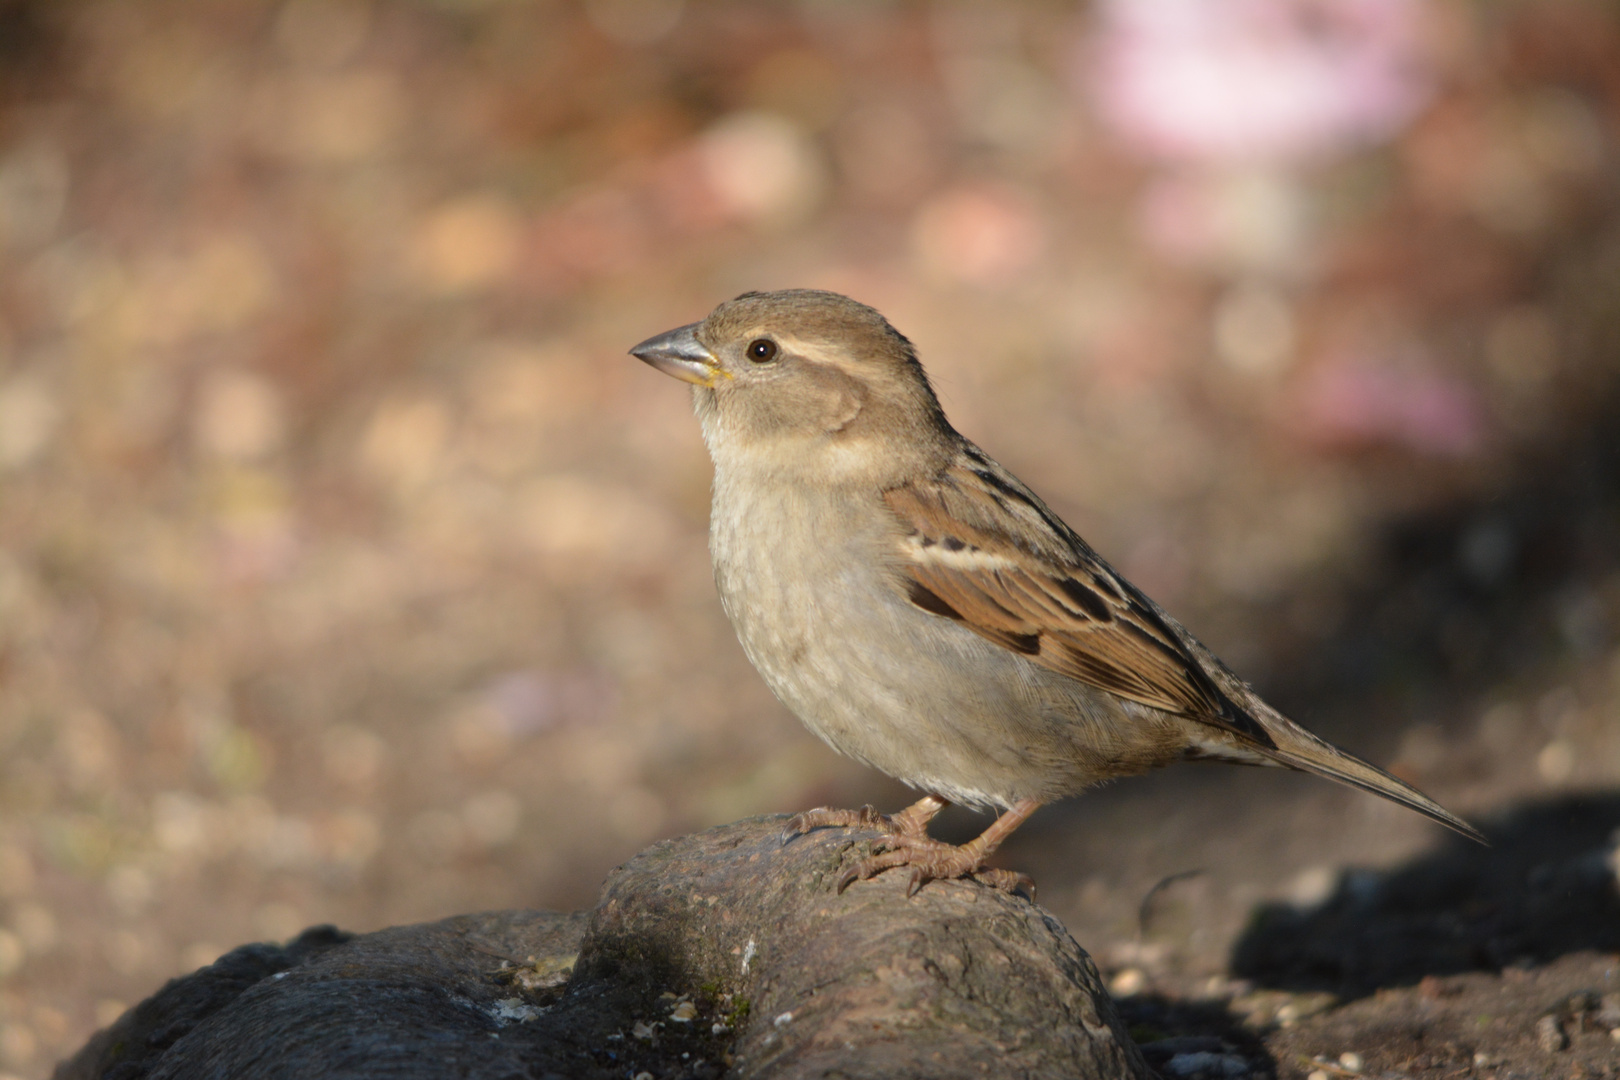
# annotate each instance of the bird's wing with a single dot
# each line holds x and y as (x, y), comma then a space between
(981, 548)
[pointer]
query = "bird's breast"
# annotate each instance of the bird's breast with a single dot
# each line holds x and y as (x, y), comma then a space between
(804, 576)
(784, 558)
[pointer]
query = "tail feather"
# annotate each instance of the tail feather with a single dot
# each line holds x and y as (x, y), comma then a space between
(1286, 743)
(1299, 749)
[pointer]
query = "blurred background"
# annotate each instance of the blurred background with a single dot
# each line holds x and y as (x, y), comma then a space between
(350, 571)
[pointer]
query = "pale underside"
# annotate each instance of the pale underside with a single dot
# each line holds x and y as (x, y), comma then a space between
(1014, 694)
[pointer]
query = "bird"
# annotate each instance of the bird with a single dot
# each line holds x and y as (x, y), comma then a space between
(924, 612)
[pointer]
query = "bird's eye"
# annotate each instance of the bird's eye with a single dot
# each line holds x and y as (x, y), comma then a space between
(762, 351)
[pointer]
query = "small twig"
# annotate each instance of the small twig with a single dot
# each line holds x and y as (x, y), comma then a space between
(1142, 911)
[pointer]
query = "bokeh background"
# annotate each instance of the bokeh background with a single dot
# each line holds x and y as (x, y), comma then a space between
(350, 571)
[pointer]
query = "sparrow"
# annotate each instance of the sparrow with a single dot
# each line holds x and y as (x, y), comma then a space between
(924, 612)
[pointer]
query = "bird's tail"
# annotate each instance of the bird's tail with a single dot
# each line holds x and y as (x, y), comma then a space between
(1297, 748)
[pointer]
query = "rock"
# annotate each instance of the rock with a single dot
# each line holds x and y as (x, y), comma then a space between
(720, 953)
(1550, 1035)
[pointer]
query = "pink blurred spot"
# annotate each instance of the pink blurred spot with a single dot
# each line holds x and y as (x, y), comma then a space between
(1274, 80)
(600, 230)
(686, 202)
(529, 702)
(252, 557)
(977, 235)
(1178, 218)
(1347, 404)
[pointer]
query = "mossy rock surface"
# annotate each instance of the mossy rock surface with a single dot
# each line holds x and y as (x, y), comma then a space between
(726, 953)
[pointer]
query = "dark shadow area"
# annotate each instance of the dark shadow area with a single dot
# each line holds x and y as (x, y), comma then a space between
(1187, 1038)
(27, 35)
(1545, 888)
(1462, 596)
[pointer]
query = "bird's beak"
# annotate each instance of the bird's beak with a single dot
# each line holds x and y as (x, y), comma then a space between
(679, 353)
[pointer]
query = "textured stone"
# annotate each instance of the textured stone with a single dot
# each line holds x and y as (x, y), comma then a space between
(725, 953)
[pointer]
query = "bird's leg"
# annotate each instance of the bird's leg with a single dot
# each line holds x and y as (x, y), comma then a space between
(930, 858)
(912, 821)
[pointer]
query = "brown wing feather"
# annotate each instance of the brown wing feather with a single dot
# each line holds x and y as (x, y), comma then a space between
(1048, 597)
(982, 549)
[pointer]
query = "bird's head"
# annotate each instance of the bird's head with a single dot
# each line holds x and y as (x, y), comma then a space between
(804, 379)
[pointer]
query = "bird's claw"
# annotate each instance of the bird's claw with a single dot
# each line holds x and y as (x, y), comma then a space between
(932, 860)
(824, 817)
(1008, 881)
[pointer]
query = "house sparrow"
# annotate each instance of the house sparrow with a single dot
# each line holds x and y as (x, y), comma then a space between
(923, 611)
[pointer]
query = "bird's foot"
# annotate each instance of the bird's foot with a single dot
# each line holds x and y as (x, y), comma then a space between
(825, 817)
(912, 821)
(932, 860)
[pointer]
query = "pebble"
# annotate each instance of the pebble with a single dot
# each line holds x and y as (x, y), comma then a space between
(1608, 1011)
(1208, 1064)
(1351, 1061)
(514, 1011)
(1550, 1035)
(1128, 982)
